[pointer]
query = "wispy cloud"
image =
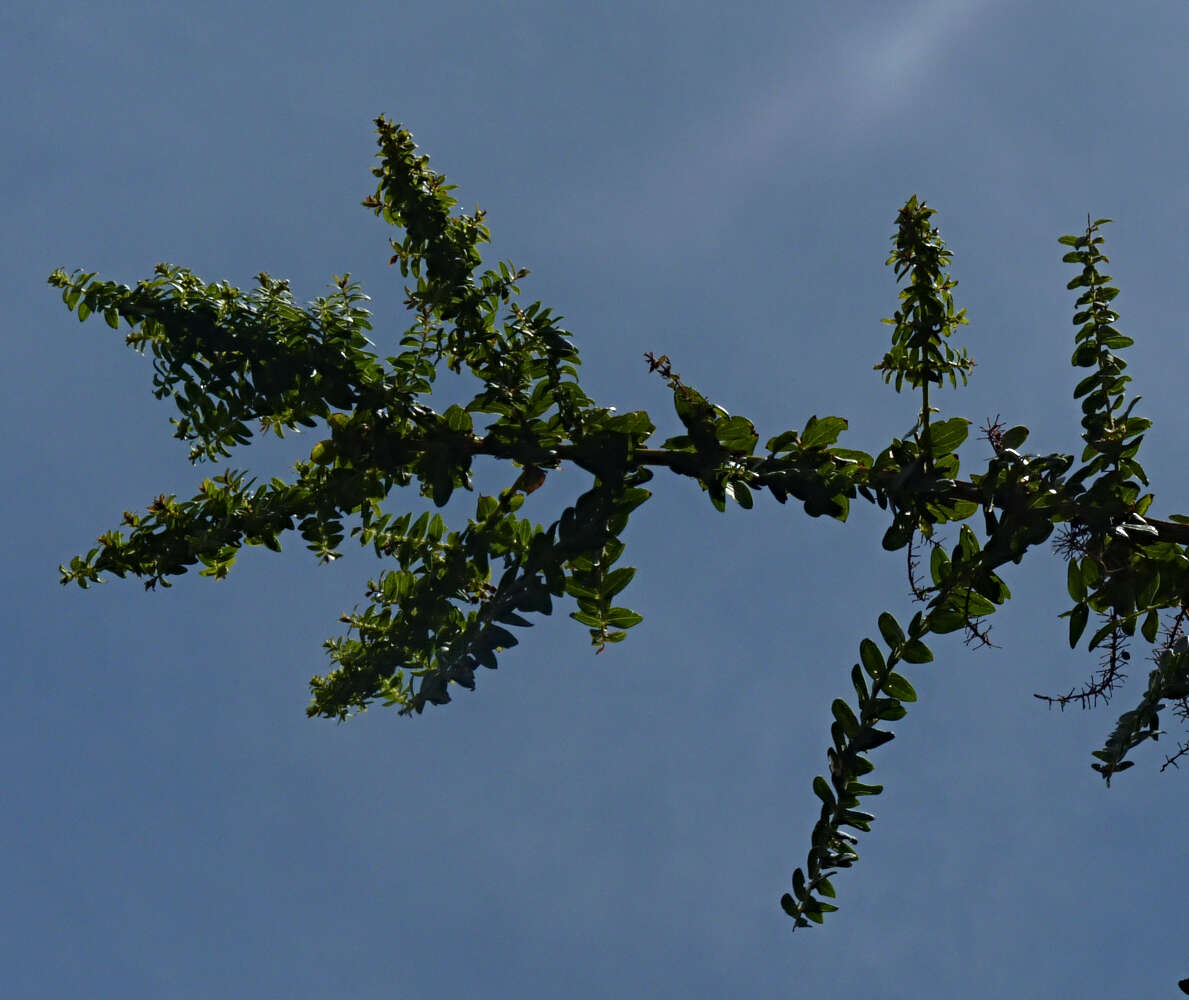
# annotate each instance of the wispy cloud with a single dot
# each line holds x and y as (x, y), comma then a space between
(839, 93)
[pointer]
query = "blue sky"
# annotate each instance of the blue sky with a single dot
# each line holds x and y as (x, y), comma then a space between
(718, 184)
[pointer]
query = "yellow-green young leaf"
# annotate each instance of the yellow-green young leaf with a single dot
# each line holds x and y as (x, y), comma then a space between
(323, 453)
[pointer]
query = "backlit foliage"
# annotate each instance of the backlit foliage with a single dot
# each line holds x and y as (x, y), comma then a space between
(238, 363)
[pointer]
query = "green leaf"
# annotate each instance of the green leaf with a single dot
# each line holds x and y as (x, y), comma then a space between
(717, 495)
(860, 685)
(1074, 582)
(500, 638)
(1118, 342)
(694, 410)
(822, 790)
(616, 580)
(1077, 623)
(782, 442)
(844, 715)
(898, 535)
(939, 565)
(852, 455)
(887, 709)
(1151, 626)
(915, 651)
(947, 621)
(822, 432)
(742, 494)
(635, 423)
(323, 453)
(623, 618)
(869, 739)
(948, 435)
(457, 419)
(891, 631)
(970, 603)
(799, 885)
(736, 434)
(898, 687)
(916, 627)
(872, 658)
(1015, 437)
(1126, 626)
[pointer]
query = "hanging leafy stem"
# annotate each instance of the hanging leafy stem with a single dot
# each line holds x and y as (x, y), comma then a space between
(445, 605)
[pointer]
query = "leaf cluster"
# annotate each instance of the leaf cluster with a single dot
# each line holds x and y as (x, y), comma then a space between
(448, 598)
